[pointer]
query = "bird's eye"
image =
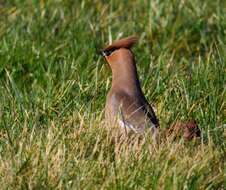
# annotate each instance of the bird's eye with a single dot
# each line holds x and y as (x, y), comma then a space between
(107, 52)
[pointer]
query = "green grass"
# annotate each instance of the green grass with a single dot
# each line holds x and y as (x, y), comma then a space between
(53, 87)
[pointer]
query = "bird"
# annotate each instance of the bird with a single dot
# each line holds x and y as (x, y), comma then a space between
(126, 104)
(188, 129)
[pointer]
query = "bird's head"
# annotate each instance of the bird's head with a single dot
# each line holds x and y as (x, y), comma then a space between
(119, 51)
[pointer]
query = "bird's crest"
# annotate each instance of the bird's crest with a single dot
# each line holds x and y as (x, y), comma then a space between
(123, 43)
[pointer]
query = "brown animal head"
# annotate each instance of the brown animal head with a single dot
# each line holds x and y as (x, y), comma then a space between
(119, 51)
(188, 130)
(123, 66)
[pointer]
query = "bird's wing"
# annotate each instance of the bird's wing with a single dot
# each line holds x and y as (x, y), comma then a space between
(132, 112)
(151, 114)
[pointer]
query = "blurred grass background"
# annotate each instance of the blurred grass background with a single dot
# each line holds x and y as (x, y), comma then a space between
(53, 86)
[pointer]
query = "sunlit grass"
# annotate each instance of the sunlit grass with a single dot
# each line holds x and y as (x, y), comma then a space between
(53, 86)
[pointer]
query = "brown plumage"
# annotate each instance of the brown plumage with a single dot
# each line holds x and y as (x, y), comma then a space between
(125, 102)
(123, 43)
(187, 129)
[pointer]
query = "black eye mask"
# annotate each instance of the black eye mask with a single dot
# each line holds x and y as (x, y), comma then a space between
(106, 53)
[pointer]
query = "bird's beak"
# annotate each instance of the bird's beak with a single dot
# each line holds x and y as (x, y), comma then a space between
(102, 53)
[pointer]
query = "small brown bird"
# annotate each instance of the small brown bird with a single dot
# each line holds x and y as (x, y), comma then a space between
(187, 129)
(125, 102)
